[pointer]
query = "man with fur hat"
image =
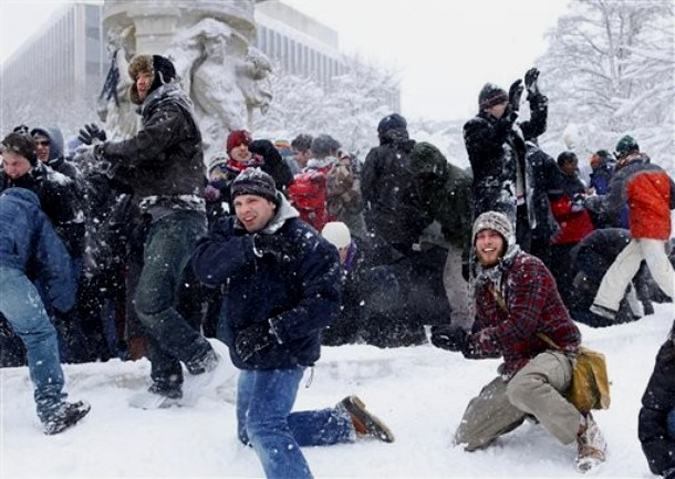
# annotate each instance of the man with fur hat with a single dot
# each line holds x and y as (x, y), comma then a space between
(282, 288)
(502, 178)
(517, 299)
(650, 192)
(163, 165)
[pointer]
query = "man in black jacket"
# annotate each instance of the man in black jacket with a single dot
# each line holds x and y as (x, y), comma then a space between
(502, 179)
(163, 165)
(393, 208)
(656, 425)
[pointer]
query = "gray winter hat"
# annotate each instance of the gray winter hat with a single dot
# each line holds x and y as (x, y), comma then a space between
(493, 220)
(254, 181)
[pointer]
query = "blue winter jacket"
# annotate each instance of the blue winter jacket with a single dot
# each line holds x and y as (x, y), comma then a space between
(29, 243)
(298, 294)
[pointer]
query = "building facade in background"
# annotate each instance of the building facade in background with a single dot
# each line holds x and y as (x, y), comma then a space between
(64, 66)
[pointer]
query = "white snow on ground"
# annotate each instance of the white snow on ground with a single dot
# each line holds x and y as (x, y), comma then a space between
(421, 392)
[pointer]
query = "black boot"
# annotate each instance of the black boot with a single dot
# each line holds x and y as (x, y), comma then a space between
(66, 416)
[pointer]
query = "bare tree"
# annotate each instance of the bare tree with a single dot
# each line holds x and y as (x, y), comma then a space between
(609, 68)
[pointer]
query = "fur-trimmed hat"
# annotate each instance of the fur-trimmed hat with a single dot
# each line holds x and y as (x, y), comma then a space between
(238, 137)
(22, 144)
(161, 68)
(493, 220)
(491, 95)
(254, 181)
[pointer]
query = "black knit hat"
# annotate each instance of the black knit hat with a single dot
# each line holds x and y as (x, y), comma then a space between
(254, 181)
(391, 122)
(491, 95)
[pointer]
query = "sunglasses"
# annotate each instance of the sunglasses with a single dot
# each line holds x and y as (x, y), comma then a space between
(42, 143)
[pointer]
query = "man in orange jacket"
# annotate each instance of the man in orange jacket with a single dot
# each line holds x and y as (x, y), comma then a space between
(650, 193)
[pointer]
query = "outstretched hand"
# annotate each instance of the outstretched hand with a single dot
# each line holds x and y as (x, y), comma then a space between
(515, 93)
(91, 134)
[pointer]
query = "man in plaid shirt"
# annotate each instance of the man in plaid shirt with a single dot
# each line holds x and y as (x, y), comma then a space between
(517, 298)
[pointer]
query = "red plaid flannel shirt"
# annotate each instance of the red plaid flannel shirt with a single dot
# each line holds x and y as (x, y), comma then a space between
(534, 306)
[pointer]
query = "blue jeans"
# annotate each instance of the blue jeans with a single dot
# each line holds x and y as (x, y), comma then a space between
(671, 424)
(264, 420)
(171, 338)
(21, 304)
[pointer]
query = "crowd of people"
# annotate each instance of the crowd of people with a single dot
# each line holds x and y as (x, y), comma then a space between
(133, 248)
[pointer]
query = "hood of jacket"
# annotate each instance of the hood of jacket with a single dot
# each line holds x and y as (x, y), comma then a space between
(55, 142)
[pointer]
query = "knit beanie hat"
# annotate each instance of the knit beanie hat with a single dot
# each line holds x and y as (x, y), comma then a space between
(337, 234)
(491, 95)
(22, 144)
(493, 220)
(391, 122)
(254, 181)
(238, 137)
(626, 145)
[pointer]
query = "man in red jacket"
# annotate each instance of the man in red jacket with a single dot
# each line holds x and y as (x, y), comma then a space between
(517, 299)
(650, 194)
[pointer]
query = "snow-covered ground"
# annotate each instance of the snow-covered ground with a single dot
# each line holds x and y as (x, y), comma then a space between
(421, 392)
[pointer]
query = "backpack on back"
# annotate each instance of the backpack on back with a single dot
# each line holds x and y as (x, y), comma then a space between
(308, 193)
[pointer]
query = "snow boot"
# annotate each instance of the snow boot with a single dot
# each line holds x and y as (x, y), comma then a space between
(66, 416)
(365, 423)
(591, 445)
(603, 311)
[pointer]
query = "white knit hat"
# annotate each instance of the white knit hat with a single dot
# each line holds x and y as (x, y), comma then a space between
(337, 233)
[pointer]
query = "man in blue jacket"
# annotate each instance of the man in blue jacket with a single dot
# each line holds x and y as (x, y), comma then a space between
(29, 248)
(281, 282)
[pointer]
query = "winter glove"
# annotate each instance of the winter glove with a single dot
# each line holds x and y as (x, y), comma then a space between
(451, 338)
(254, 339)
(91, 134)
(669, 473)
(211, 193)
(266, 149)
(531, 78)
(578, 203)
(5, 328)
(515, 92)
(274, 245)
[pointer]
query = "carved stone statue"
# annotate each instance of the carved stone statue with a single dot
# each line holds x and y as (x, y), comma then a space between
(210, 44)
(114, 107)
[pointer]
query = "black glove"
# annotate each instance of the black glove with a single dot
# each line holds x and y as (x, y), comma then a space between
(5, 328)
(266, 149)
(452, 338)
(515, 92)
(669, 473)
(253, 339)
(531, 78)
(275, 245)
(91, 134)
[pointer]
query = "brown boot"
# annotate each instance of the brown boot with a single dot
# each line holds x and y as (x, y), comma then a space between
(591, 444)
(365, 423)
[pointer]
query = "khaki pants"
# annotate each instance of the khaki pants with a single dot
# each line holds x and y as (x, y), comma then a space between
(535, 390)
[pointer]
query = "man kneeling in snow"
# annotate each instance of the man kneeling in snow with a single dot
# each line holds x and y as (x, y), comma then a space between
(282, 288)
(516, 298)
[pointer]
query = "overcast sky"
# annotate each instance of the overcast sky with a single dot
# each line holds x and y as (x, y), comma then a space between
(444, 50)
